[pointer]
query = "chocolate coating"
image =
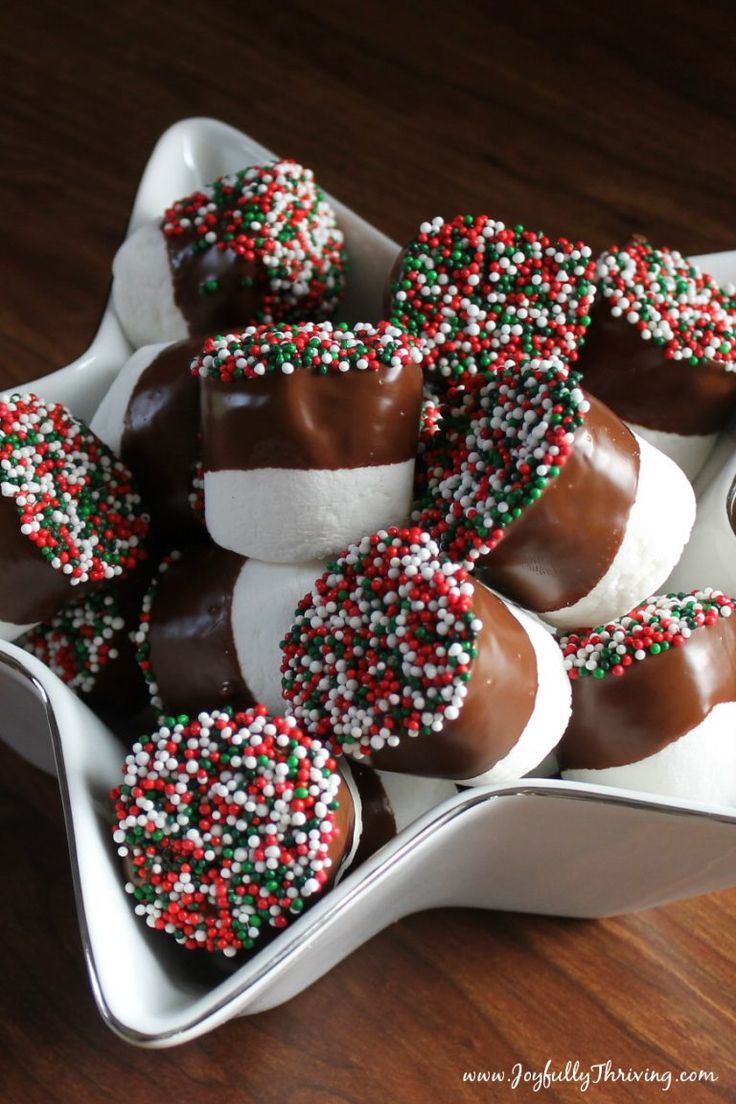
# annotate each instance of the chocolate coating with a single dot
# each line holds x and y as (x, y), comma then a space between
(193, 654)
(120, 690)
(345, 828)
(237, 299)
(500, 699)
(731, 506)
(563, 544)
(642, 385)
(379, 827)
(160, 439)
(31, 589)
(620, 720)
(306, 420)
(379, 821)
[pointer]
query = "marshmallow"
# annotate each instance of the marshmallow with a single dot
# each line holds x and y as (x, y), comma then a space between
(212, 626)
(661, 350)
(399, 658)
(150, 419)
(478, 294)
(654, 700)
(690, 452)
(550, 711)
(547, 495)
(143, 289)
(88, 645)
(284, 514)
(189, 273)
(70, 516)
(263, 805)
(309, 436)
(658, 525)
(711, 551)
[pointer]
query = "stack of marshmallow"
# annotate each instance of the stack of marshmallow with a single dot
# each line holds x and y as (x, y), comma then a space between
(279, 459)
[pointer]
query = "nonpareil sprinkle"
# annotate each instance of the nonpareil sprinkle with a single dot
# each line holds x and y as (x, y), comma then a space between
(663, 622)
(501, 444)
(671, 302)
(76, 501)
(226, 823)
(277, 215)
(141, 635)
(81, 640)
(478, 293)
(382, 648)
(315, 346)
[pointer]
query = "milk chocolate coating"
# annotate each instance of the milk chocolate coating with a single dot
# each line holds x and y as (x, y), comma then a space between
(642, 385)
(160, 439)
(621, 719)
(241, 285)
(731, 506)
(563, 544)
(500, 699)
(306, 420)
(345, 827)
(30, 588)
(379, 822)
(193, 654)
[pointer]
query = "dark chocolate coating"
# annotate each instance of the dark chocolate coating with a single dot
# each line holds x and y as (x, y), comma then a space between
(306, 420)
(621, 719)
(30, 588)
(500, 699)
(193, 656)
(119, 689)
(160, 439)
(643, 385)
(241, 285)
(563, 544)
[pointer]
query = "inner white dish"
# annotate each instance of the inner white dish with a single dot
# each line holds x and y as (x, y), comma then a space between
(541, 846)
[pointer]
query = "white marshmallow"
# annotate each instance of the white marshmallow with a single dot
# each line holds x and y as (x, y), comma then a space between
(550, 714)
(9, 631)
(709, 558)
(409, 796)
(143, 291)
(412, 796)
(689, 452)
(264, 601)
(109, 419)
(288, 515)
(658, 526)
(549, 767)
(700, 766)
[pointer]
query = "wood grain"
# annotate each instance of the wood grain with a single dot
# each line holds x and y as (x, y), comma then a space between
(568, 117)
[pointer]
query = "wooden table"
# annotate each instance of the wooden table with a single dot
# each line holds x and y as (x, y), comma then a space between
(542, 114)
